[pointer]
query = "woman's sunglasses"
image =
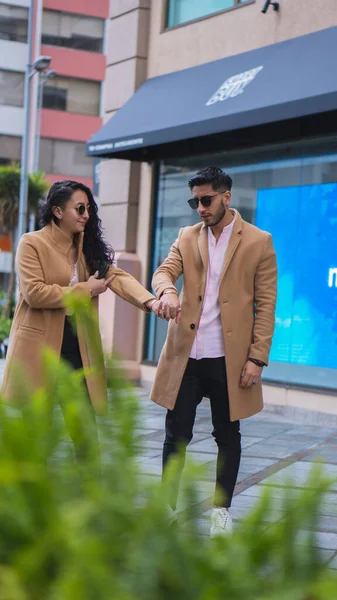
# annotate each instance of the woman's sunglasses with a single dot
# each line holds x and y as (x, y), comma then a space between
(81, 208)
(204, 201)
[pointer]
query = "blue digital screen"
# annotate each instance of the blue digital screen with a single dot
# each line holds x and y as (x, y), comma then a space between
(303, 223)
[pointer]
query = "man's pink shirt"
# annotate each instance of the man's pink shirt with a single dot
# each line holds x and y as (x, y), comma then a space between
(208, 342)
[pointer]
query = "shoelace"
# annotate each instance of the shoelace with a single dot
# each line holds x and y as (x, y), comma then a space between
(221, 518)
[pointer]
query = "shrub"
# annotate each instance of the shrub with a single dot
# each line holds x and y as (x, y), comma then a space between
(96, 531)
(5, 327)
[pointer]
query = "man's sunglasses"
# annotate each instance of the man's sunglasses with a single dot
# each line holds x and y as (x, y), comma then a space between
(204, 201)
(81, 208)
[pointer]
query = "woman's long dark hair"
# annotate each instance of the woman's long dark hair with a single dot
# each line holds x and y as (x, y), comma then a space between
(96, 251)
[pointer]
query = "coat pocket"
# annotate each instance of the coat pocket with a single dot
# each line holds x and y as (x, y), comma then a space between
(31, 329)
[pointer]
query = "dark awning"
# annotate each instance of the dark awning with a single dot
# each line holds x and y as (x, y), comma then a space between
(284, 81)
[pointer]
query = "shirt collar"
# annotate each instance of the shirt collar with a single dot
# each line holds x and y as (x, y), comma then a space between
(227, 229)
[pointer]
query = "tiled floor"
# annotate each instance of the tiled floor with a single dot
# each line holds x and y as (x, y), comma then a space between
(276, 453)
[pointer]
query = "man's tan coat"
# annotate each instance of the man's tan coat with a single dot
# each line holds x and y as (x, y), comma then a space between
(247, 297)
(44, 274)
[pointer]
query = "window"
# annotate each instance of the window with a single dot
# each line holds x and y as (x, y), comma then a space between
(72, 95)
(54, 98)
(280, 196)
(65, 158)
(11, 88)
(181, 11)
(10, 149)
(13, 23)
(72, 31)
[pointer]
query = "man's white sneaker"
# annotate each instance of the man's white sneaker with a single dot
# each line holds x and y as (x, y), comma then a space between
(221, 522)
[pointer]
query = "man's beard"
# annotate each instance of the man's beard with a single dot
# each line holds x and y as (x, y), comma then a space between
(219, 215)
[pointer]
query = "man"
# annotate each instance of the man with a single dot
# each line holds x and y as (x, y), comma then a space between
(220, 329)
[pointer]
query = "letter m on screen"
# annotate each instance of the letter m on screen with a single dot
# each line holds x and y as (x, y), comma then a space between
(333, 277)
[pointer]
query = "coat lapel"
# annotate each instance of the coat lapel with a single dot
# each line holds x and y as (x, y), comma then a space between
(234, 241)
(64, 243)
(203, 246)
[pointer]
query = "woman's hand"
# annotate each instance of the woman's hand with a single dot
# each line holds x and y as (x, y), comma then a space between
(98, 286)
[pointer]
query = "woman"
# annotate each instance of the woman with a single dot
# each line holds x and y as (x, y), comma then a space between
(69, 250)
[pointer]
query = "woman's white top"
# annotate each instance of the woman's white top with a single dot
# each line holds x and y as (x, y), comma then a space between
(74, 278)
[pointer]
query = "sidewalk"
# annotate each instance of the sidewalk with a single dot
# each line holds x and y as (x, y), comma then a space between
(273, 448)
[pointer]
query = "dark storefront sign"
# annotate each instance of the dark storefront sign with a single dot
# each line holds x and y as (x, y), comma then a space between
(288, 80)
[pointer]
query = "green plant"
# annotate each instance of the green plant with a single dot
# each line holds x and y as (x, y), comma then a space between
(92, 532)
(9, 207)
(2, 301)
(5, 326)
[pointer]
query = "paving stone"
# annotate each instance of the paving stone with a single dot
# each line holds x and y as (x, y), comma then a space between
(255, 463)
(273, 491)
(247, 441)
(201, 525)
(333, 563)
(155, 460)
(298, 473)
(147, 454)
(150, 468)
(201, 496)
(315, 430)
(144, 431)
(199, 457)
(329, 509)
(203, 428)
(292, 443)
(243, 501)
(328, 523)
(326, 555)
(327, 540)
(152, 422)
(150, 444)
(262, 429)
(325, 454)
(199, 436)
(205, 445)
(268, 451)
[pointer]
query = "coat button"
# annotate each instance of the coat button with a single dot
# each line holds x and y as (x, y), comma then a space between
(192, 326)
(200, 298)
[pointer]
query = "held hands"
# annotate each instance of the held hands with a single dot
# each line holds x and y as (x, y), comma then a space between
(251, 375)
(98, 286)
(168, 307)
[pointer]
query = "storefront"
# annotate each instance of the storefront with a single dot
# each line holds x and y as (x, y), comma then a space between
(275, 132)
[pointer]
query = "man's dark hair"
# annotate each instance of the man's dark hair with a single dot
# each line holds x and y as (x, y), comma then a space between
(216, 177)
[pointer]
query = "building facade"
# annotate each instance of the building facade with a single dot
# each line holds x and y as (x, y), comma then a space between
(275, 132)
(67, 108)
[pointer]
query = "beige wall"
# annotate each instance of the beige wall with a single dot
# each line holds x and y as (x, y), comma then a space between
(232, 32)
(139, 48)
(128, 33)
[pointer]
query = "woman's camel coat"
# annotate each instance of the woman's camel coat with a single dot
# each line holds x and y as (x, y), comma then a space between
(44, 274)
(247, 296)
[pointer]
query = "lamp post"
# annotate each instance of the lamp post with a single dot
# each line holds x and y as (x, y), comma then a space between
(39, 66)
(43, 78)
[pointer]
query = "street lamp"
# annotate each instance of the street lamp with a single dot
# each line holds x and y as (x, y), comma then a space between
(39, 66)
(44, 76)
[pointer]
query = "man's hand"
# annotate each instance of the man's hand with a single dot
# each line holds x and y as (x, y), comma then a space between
(168, 307)
(251, 375)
